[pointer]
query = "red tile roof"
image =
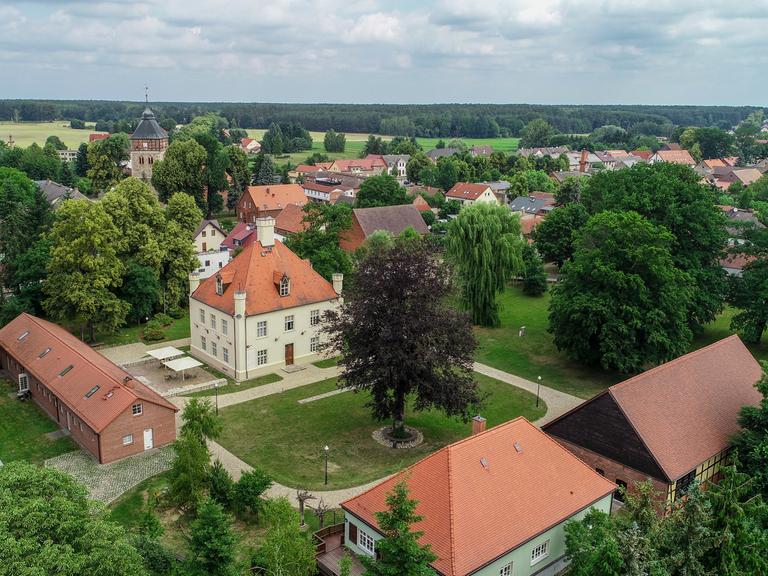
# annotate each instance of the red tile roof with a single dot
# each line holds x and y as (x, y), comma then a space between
(676, 157)
(253, 271)
(291, 220)
(239, 235)
(686, 410)
(98, 136)
(368, 163)
(466, 191)
(421, 204)
(474, 513)
(276, 196)
(737, 260)
(117, 389)
(644, 154)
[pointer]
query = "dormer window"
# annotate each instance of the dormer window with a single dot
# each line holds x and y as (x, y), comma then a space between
(285, 286)
(219, 285)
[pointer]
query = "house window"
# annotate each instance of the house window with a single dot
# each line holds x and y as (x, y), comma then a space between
(684, 484)
(213, 321)
(203, 233)
(219, 286)
(314, 317)
(202, 315)
(137, 409)
(285, 286)
(214, 348)
(261, 328)
(208, 263)
(224, 327)
(619, 494)
(540, 552)
(314, 343)
(506, 570)
(225, 354)
(289, 323)
(261, 357)
(203, 343)
(366, 542)
(600, 471)
(128, 440)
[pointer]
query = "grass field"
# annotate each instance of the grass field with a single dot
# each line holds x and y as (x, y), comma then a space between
(26, 133)
(536, 355)
(286, 438)
(23, 426)
(356, 143)
(133, 333)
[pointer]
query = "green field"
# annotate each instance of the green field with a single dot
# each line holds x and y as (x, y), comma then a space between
(286, 438)
(535, 354)
(26, 133)
(356, 143)
(23, 426)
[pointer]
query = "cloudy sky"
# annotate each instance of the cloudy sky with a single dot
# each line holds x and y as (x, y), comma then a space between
(421, 51)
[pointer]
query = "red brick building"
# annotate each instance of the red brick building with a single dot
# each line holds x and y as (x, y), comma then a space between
(671, 424)
(106, 411)
(393, 219)
(261, 201)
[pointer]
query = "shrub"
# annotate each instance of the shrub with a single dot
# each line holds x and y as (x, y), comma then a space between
(164, 319)
(153, 331)
(176, 312)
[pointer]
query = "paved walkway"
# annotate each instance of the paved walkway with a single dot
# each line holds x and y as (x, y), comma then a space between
(132, 352)
(557, 404)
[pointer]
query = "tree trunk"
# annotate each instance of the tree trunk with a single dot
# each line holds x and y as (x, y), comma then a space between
(399, 412)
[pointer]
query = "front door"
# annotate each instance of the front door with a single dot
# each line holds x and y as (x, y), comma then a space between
(148, 439)
(288, 354)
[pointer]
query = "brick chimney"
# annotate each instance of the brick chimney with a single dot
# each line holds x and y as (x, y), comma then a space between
(265, 231)
(478, 425)
(583, 160)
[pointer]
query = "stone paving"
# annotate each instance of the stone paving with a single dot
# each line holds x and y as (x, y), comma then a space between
(132, 352)
(107, 482)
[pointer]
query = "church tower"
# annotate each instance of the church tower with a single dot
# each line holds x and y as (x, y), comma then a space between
(148, 144)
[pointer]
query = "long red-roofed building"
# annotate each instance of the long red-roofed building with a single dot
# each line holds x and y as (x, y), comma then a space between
(102, 407)
(493, 503)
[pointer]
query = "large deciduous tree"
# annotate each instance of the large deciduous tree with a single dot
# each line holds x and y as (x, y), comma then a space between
(48, 526)
(319, 242)
(671, 195)
(400, 340)
(485, 248)
(536, 133)
(556, 235)
(399, 551)
(621, 302)
(381, 190)
(182, 169)
(84, 269)
(183, 210)
(286, 549)
(751, 442)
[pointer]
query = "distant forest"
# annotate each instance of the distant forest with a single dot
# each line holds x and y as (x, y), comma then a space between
(434, 120)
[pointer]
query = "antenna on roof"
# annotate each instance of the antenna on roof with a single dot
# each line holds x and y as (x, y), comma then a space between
(146, 94)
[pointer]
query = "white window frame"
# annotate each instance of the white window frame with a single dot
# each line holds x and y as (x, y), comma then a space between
(214, 348)
(137, 409)
(539, 552)
(506, 570)
(23, 382)
(261, 326)
(213, 321)
(366, 542)
(224, 326)
(285, 286)
(225, 354)
(127, 439)
(202, 315)
(314, 343)
(203, 343)
(289, 321)
(261, 357)
(314, 317)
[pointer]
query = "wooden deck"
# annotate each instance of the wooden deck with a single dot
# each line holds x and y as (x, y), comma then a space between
(328, 561)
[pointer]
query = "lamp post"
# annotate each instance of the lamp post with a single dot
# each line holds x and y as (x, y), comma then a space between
(216, 387)
(538, 387)
(325, 450)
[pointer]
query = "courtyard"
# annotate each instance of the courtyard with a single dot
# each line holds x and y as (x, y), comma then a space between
(286, 437)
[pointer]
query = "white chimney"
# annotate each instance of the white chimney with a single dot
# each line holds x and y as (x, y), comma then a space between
(194, 282)
(338, 282)
(265, 231)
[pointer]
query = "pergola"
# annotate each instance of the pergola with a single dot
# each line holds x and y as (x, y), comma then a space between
(182, 365)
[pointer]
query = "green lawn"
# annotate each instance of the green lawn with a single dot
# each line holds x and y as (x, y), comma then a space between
(23, 426)
(133, 333)
(232, 387)
(26, 133)
(536, 355)
(327, 362)
(506, 145)
(286, 438)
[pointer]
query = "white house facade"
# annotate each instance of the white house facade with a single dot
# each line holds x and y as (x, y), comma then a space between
(260, 312)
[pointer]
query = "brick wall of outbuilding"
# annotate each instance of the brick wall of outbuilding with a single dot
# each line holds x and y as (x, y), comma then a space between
(161, 420)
